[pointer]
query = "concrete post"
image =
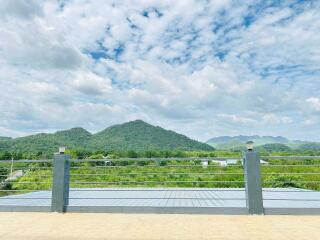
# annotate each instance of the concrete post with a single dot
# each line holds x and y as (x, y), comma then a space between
(60, 183)
(253, 182)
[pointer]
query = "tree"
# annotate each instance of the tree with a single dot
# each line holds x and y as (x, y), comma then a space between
(132, 154)
(6, 156)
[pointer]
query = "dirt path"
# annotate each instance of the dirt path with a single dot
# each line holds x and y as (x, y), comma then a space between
(49, 226)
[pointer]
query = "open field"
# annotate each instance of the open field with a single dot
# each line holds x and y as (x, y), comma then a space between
(302, 173)
(50, 226)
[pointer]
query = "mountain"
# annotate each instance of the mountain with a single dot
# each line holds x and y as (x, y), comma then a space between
(140, 136)
(4, 138)
(238, 142)
(242, 139)
(46, 142)
(274, 147)
(136, 135)
(310, 146)
(5, 143)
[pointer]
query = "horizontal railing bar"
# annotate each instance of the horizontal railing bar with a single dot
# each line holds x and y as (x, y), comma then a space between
(290, 157)
(27, 161)
(158, 159)
(206, 199)
(156, 166)
(169, 166)
(156, 182)
(20, 198)
(291, 191)
(164, 182)
(154, 190)
(29, 182)
(24, 175)
(165, 198)
(292, 199)
(175, 173)
(294, 181)
(189, 158)
(23, 190)
(285, 191)
(188, 173)
(157, 173)
(27, 168)
(294, 173)
(291, 165)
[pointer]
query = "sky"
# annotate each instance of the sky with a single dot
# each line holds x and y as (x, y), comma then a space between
(199, 67)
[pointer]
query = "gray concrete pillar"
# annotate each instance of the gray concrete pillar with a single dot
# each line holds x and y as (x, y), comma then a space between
(253, 184)
(60, 183)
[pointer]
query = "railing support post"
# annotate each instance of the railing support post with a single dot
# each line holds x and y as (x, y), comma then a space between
(60, 183)
(253, 182)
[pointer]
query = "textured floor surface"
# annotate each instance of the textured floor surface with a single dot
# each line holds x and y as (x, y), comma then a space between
(171, 197)
(72, 226)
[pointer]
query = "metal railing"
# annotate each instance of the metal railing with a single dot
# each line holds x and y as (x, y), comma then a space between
(278, 185)
(20, 180)
(155, 182)
(291, 184)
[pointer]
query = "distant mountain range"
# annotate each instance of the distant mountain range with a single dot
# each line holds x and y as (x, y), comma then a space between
(140, 136)
(268, 143)
(135, 135)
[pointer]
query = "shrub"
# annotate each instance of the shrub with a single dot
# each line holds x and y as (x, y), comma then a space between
(284, 181)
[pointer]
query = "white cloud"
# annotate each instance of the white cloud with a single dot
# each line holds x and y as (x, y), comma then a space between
(30, 44)
(314, 102)
(203, 68)
(20, 8)
(274, 119)
(237, 119)
(91, 84)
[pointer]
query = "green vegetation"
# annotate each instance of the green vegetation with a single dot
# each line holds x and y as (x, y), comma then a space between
(139, 172)
(141, 136)
(273, 147)
(3, 173)
(82, 154)
(136, 136)
(309, 147)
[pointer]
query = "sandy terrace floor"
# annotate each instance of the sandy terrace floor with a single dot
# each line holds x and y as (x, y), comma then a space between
(49, 226)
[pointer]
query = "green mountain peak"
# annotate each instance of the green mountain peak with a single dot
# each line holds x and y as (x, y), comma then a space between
(134, 135)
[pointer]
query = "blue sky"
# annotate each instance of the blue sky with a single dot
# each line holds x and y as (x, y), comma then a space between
(202, 68)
